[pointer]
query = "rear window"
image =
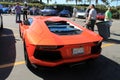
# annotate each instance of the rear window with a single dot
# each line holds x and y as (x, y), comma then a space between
(62, 28)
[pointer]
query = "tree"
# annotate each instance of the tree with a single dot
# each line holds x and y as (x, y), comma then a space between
(106, 2)
(116, 2)
(90, 1)
(48, 1)
(40, 1)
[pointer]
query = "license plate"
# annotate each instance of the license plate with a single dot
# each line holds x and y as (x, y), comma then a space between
(78, 51)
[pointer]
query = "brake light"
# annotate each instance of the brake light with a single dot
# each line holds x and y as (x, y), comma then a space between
(49, 47)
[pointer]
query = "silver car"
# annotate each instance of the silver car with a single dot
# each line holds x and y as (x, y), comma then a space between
(81, 14)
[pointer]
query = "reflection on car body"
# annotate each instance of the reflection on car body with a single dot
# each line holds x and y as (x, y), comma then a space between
(53, 41)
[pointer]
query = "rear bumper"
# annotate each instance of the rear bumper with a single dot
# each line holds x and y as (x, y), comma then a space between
(63, 61)
(63, 55)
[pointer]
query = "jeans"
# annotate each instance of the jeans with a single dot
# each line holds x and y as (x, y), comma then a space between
(24, 16)
(18, 17)
(91, 24)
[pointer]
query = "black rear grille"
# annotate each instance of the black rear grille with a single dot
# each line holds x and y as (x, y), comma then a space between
(46, 55)
(97, 48)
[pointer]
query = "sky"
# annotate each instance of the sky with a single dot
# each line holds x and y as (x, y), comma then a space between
(114, 3)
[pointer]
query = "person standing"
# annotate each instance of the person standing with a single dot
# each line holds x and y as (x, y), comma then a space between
(32, 11)
(87, 12)
(74, 13)
(10, 9)
(108, 18)
(18, 12)
(91, 20)
(25, 12)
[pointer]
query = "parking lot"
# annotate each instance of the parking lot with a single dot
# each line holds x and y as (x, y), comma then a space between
(12, 64)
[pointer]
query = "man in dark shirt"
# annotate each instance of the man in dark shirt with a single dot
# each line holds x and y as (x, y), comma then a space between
(25, 12)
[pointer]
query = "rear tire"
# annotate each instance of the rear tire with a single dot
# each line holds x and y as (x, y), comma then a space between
(20, 32)
(27, 61)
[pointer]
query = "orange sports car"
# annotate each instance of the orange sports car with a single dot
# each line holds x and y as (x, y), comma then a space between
(52, 41)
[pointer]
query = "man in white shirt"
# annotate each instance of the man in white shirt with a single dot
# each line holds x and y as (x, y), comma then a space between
(91, 20)
(74, 13)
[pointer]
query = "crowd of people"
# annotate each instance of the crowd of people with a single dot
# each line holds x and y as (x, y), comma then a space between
(22, 10)
(91, 17)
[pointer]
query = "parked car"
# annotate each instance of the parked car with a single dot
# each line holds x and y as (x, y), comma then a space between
(49, 11)
(81, 13)
(51, 41)
(65, 13)
(100, 16)
(34, 11)
(1, 6)
(5, 10)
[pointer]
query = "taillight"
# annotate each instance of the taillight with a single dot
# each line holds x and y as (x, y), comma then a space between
(49, 47)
